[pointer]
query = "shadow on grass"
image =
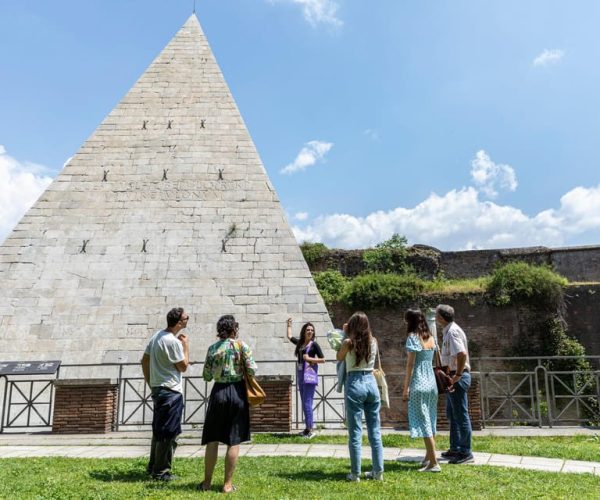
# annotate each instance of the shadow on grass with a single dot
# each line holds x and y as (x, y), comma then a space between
(321, 475)
(403, 466)
(127, 476)
(140, 476)
(195, 486)
(283, 435)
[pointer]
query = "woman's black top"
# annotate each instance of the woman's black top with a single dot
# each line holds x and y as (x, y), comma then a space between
(314, 351)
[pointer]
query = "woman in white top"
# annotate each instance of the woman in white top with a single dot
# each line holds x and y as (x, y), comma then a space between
(359, 350)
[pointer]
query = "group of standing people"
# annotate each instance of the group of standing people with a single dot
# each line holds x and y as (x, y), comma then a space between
(228, 418)
(359, 351)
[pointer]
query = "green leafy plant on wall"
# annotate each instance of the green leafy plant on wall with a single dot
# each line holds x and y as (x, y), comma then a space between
(313, 252)
(368, 291)
(389, 256)
(558, 343)
(332, 285)
(521, 282)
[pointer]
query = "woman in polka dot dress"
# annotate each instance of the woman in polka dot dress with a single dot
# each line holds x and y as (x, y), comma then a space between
(420, 389)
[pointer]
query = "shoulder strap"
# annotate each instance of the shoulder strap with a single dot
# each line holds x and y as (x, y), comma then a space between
(438, 361)
(378, 357)
(239, 352)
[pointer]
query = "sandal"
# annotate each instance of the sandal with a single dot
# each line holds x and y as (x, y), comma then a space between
(201, 487)
(233, 488)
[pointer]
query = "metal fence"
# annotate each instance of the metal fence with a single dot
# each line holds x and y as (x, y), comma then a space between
(540, 391)
(514, 391)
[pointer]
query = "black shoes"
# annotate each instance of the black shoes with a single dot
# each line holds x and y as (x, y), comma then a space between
(456, 457)
(166, 477)
(462, 458)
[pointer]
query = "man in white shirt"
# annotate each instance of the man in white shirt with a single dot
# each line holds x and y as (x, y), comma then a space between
(166, 357)
(455, 356)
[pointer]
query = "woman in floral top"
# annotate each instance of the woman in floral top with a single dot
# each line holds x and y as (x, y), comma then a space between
(228, 414)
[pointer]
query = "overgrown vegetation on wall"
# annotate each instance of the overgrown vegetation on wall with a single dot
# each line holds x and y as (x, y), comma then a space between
(559, 343)
(332, 286)
(388, 280)
(518, 282)
(313, 252)
(388, 257)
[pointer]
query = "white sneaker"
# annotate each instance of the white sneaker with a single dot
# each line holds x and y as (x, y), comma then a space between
(352, 478)
(424, 463)
(377, 476)
(435, 468)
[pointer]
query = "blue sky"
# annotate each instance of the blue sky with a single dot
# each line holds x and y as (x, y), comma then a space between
(458, 123)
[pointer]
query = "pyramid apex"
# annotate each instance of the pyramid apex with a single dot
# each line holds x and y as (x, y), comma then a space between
(193, 19)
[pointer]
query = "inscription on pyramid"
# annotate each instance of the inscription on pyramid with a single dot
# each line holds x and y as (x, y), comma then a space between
(166, 204)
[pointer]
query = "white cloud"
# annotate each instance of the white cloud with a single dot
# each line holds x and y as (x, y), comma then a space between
(317, 11)
(301, 216)
(549, 57)
(21, 183)
(460, 220)
(309, 155)
(490, 177)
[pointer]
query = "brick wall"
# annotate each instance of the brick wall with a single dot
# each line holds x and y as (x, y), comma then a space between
(583, 316)
(85, 406)
(575, 263)
(491, 331)
(397, 415)
(275, 414)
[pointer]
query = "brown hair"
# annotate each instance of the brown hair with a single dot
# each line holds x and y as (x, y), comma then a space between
(302, 339)
(359, 332)
(415, 323)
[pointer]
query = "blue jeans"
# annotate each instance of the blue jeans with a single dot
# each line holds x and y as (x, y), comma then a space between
(307, 396)
(457, 411)
(362, 394)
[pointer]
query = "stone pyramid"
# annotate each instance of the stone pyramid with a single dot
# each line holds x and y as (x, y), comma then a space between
(166, 204)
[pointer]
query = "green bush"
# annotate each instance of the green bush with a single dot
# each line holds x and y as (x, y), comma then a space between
(559, 343)
(521, 282)
(389, 256)
(378, 290)
(332, 285)
(556, 342)
(313, 251)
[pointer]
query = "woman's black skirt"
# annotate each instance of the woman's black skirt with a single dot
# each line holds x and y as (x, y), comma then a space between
(228, 415)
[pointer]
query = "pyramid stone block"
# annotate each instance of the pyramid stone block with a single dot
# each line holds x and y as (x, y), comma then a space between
(166, 204)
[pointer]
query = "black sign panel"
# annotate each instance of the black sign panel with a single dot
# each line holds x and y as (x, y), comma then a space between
(28, 367)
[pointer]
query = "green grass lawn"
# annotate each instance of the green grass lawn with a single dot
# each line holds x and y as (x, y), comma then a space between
(568, 447)
(282, 477)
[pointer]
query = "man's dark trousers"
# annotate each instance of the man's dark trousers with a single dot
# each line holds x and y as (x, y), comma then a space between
(166, 426)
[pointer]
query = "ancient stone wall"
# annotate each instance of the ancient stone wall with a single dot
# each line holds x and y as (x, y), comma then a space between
(578, 264)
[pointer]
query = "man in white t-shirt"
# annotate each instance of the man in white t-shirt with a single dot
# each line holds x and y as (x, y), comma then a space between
(455, 356)
(166, 357)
